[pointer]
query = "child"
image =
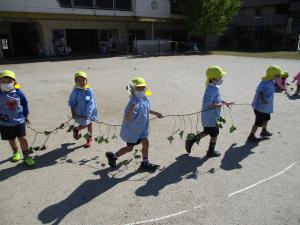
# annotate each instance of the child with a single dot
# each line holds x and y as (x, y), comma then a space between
(211, 107)
(83, 107)
(13, 116)
(135, 126)
(263, 102)
(280, 82)
(297, 79)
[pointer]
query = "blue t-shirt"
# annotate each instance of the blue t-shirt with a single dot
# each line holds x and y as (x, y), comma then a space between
(84, 103)
(267, 88)
(138, 128)
(13, 108)
(211, 96)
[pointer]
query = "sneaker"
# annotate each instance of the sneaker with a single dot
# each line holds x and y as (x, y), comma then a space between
(148, 167)
(29, 161)
(252, 138)
(265, 133)
(211, 154)
(76, 133)
(89, 143)
(16, 157)
(111, 159)
(188, 145)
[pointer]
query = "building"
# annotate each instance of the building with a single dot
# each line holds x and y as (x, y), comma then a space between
(264, 25)
(37, 28)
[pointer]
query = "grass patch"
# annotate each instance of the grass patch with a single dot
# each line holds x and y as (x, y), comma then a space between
(278, 55)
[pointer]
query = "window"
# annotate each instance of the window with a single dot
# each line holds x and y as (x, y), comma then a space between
(105, 4)
(123, 5)
(83, 4)
(65, 3)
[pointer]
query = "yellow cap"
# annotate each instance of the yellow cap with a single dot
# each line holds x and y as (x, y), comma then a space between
(139, 82)
(272, 71)
(214, 72)
(8, 73)
(80, 74)
(285, 74)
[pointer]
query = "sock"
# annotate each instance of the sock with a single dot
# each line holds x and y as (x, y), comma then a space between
(211, 147)
(264, 129)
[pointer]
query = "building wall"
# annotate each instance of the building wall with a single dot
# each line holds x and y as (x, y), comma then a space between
(142, 8)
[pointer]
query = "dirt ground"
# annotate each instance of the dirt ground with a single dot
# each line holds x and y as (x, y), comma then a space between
(248, 184)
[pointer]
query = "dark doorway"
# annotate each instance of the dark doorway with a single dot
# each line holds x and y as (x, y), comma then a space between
(82, 41)
(134, 35)
(25, 39)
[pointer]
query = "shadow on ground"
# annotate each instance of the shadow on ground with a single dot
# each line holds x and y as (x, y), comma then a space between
(235, 154)
(184, 165)
(48, 159)
(86, 192)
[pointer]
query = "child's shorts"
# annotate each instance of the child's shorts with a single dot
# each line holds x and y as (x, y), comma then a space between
(260, 118)
(11, 132)
(211, 131)
(136, 143)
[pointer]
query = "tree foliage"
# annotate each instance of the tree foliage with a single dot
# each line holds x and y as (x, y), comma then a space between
(208, 16)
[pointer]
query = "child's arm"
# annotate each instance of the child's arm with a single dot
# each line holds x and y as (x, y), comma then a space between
(129, 115)
(228, 104)
(24, 104)
(159, 115)
(262, 98)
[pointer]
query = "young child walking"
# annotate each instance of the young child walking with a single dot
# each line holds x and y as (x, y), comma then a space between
(14, 114)
(135, 126)
(83, 107)
(211, 110)
(263, 102)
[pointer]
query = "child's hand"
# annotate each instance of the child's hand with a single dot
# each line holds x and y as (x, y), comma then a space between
(159, 115)
(27, 121)
(229, 104)
(132, 108)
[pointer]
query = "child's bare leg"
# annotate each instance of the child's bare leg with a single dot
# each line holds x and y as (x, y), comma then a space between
(253, 130)
(13, 145)
(124, 150)
(264, 126)
(24, 145)
(145, 144)
(90, 129)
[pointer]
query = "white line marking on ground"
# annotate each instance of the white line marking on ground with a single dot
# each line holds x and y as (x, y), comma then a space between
(199, 206)
(264, 180)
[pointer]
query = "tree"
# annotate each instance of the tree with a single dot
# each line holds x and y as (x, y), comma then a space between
(208, 16)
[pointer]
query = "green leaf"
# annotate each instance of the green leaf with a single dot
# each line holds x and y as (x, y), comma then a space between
(86, 136)
(36, 148)
(232, 129)
(61, 126)
(96, 139)
(100, 140)
(190, 136)
(114, 137)
(106, 140)
(43, 147)
(70, 129)
(170, 138)
(181, 133)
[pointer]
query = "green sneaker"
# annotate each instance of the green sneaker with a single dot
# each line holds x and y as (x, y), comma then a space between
(29, 161)
(16, 157)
